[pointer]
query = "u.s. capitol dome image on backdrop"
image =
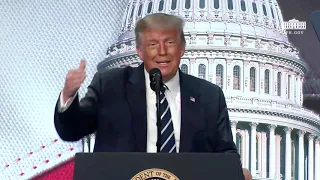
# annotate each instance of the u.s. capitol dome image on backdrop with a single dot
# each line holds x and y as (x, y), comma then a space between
(243, 46)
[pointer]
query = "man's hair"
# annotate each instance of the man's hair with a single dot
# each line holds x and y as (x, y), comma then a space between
(160, 21)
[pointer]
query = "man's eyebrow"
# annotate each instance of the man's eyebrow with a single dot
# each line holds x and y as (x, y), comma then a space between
(169, 38)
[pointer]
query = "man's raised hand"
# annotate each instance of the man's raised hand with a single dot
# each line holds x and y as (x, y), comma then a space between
(74, 79)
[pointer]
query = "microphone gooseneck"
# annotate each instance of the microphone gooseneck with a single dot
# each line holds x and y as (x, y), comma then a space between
(155, 84)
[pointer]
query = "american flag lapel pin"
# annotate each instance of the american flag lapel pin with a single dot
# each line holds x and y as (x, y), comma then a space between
(192, 99)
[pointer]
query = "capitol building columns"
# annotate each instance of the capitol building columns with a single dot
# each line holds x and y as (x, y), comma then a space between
(230, 78)
(277, 152)
(311, 157)
(272, 151)
(317, 159)
(211, 70)
(275, 80)
(301, 166)
(253, 148)
(193, 67)
(234, 130)
(288, 154)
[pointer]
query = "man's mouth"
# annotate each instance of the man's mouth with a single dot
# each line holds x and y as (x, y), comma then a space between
(163, 62)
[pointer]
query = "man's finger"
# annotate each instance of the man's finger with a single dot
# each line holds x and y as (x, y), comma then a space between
(82, 65)
(76, 81)
(76, 74)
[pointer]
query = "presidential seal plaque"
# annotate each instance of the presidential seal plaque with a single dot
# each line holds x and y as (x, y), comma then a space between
(155, 174)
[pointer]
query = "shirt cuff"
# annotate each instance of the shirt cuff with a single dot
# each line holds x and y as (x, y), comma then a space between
(64, 106)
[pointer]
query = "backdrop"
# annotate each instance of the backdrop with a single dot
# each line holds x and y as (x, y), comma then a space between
(41, 40)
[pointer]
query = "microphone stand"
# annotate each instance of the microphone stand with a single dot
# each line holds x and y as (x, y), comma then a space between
(158, 85)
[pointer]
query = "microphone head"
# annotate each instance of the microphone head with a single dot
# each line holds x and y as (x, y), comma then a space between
(155, 77)
(154, 71)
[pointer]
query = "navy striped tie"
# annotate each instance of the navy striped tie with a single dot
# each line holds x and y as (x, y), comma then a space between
(168, 144)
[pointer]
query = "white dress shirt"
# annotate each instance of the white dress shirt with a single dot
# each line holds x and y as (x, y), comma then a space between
(173, 98)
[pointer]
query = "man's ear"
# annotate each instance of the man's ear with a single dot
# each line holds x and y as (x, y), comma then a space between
(139, 52)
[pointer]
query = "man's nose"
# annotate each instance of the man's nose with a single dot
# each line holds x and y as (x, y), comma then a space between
(162, 50)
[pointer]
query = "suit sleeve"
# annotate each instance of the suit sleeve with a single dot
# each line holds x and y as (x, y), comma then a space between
(64, 106)
(80, 119)
(225, 139)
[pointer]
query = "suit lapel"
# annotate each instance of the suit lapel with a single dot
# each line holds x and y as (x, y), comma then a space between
(191, 114)
(136, 94)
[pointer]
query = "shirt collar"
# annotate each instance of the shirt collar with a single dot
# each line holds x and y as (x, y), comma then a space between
(173, 84)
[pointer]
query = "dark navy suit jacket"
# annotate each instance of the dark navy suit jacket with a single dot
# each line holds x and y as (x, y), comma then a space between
(115, 108)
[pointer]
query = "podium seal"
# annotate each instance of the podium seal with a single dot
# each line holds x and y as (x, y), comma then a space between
(155, 174)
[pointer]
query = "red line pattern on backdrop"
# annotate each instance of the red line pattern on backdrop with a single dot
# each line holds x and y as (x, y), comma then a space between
(28, 154)
(36, 165)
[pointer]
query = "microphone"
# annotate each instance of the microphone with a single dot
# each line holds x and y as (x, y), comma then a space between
(155, 84)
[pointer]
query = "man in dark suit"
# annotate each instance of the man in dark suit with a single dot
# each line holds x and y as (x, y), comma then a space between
(120, 105)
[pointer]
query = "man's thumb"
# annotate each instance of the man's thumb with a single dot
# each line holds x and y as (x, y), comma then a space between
(82, 65)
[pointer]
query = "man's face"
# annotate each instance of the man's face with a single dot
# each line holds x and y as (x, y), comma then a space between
(161, 49)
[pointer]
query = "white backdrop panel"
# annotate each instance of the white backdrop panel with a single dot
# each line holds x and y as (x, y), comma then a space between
(39, 42)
